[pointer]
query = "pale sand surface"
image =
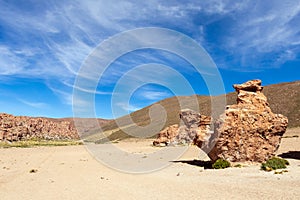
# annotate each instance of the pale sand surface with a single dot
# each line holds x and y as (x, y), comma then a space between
(72, 173)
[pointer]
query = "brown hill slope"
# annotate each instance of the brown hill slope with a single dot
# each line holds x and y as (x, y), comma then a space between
(284, 98)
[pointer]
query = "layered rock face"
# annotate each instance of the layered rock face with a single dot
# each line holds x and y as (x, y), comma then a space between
(195, 129)
(248, 130)
(203, 132)
(166, 136)
(15, 128)
(188, 131)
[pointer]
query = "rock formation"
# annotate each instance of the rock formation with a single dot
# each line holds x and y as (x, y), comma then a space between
(188, 131)
(15, 128)
(248, 130)
(166, 136)
(203, 132)
(195, 129)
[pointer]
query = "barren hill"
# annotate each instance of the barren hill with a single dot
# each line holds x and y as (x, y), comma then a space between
(284, 98)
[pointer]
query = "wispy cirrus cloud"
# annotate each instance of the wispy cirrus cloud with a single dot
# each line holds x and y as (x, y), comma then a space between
(65, 95)
(10, 62)
(50, 40)
(262, 37)
(67, 31)
(33, 104)
(154, 95)
(128, 107)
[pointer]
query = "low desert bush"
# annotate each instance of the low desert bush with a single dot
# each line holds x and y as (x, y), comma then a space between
(274, 163)
(33, 143)
(221, 164)
(238, 166)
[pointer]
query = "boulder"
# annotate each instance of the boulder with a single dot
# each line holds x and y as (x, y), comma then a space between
(203, 132)
(166, 135)
(248, 130)
(194, 129)
(188, 130)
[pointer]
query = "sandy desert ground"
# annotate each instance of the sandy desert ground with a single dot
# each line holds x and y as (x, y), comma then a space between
(70, 172)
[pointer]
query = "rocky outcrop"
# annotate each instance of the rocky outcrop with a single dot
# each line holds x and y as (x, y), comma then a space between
(166, 136)
(189, 129)
(194, 129)
(203, 132)
(248, 130)
(15, 128)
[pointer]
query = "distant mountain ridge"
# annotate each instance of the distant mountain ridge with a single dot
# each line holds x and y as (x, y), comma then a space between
(284, 98)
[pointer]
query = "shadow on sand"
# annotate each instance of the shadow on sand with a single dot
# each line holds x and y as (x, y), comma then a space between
(199, 163)
(291, 154)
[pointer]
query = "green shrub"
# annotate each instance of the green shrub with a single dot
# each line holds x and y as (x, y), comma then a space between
(274, 163)
(221, 164)
(34, 142)
(238, 165)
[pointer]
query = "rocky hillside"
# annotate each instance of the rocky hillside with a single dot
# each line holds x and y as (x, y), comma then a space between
(284, 99)
(14, 128)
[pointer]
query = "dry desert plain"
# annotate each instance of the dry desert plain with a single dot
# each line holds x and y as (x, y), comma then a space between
(70, 172)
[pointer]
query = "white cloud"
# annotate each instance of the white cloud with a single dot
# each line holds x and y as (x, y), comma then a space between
(10, 63)
(52, 41)
(72, 54)
(154, 95)
(272, 29)
(33, 104)
(128, 107)
(77, 87)
(66, 97)
(264, 29)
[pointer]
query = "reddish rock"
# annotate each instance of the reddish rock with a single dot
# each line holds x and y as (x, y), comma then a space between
(203, 132)
(166, 136)
(189, 129)
(248, 130)
(15, 128)
(195, 129)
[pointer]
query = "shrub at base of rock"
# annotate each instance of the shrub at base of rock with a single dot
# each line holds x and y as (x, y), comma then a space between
(274, 163)
(221, 164)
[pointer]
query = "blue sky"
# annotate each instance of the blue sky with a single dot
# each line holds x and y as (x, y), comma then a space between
(43, 45)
